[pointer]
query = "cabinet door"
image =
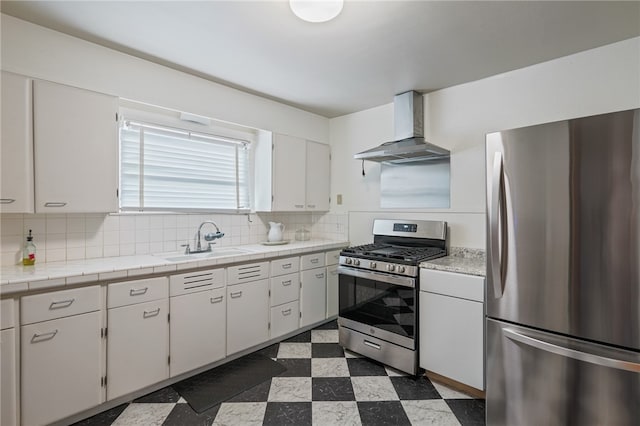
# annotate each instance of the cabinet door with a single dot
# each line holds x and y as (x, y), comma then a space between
(284, 318)
(452, 338)
(75, 149)
(61, 363)
(313, 294)
(197, 330)
(332, 291)
(285, 288)
(318, 176)
(288, 173)
(8, 377)
(16, 145)
(137, 347)
(247, 315)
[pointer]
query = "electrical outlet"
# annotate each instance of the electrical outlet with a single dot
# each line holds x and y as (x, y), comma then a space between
(339, 199)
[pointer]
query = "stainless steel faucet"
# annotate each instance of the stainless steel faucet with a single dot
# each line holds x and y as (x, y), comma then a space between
(208, 237)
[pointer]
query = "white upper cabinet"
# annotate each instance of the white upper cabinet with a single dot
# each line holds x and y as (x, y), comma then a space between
(16, 145)
(292, 174)
(75, 149)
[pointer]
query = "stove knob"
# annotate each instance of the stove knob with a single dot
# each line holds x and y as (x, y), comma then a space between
(401, 269)
(347, 261)
(372, 265)
(356, 262)
(391, 268)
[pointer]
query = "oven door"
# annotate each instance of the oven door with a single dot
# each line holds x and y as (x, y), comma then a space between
(378, 304)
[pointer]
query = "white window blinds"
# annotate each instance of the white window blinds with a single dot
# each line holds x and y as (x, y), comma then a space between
(162, 168)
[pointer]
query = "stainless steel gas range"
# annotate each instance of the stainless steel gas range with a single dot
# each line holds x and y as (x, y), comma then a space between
(378, 290)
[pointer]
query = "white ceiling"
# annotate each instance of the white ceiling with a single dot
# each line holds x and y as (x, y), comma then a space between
(369, 53)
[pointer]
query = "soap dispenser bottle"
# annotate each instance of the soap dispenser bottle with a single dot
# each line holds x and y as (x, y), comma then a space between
(29, 252)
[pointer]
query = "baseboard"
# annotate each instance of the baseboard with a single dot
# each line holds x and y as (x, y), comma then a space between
(461, 387)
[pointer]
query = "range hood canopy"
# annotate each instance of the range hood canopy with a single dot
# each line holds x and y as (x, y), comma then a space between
(409, 133)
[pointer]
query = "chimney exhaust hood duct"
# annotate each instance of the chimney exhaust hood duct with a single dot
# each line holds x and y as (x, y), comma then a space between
(409, 134)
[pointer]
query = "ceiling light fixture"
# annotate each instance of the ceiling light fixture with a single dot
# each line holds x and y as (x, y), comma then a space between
(316, 10)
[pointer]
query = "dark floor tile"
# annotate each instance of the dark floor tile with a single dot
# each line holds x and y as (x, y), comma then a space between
(270, 351)
(332, 389)
(106, 418)
(296, 367)
(163, 395)
(300, 338)
(470, 412)
(331, 325)
(326, 350)
(183, 414)
(258, 393)
(287, 413)
(365, 367)
(410, 387)
(382, 413)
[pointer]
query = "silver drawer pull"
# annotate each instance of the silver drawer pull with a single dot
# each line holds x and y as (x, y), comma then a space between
(286, 283)
(149, 314)
(372, 345)
(236, 294)
(286, 312)
(7, 200)
(286, 266)
(311, 206)
(314, 260)
(43, 336)
(299, 206)
(61, 304)
(138, 291)
(54, 204)
(216, 299)
(320, 275)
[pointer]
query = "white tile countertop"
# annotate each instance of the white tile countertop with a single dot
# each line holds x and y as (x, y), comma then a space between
(18, 278)
(460, 260)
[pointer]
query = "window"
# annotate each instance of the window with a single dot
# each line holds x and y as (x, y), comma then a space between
(164, 168)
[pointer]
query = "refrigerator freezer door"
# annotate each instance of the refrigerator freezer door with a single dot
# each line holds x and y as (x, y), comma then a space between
(563, 227)
(536, 378)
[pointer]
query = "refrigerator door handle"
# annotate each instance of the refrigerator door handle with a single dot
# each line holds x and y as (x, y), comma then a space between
(495, 225)
(571, 353)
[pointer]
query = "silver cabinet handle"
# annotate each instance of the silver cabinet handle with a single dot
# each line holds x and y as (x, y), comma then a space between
(54, 204)
(286, 283)
(286, 266)
(216, 299)
(372, 345)
(41, 337)
(311, 206)
(7, 200)
(572, 353)
(138, 291)
(286, 312)
(149, 314)
(236, 294)
(320, 275)
(315, 260)
(299, 206)
(61, 304)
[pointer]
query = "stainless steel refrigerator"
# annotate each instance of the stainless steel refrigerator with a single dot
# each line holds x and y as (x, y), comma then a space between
(563, 287)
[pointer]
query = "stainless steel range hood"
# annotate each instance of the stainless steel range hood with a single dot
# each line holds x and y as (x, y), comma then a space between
(409, 133)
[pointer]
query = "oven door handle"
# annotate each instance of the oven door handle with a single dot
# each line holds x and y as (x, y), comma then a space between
(376, 276)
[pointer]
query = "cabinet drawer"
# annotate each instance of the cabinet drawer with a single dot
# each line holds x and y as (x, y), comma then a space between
(59, 304)
(249, 272)
(6, 314)
(131, 292)
(464, 286)
(196, 281)
(284, 318)
(332, 257)
(285, 288)
(284, 266)
(309, 261)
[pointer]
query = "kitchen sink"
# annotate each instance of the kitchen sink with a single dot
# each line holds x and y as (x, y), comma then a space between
(175, 257)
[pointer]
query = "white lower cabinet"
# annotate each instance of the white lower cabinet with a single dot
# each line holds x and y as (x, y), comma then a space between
(197, 330)
(332, 291)
(313, 293)
(8, 401)
(247, 315)
(284, 318)
(452, 326)
(61, 364)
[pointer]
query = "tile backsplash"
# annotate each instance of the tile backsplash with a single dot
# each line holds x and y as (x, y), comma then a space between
(60, 237)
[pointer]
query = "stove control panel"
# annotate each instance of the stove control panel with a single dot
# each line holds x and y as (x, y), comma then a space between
(388, 267)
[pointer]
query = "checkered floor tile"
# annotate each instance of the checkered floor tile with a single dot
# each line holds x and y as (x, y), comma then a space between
(323, 385)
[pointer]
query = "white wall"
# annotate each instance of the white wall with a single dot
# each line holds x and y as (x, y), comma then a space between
(597, 81)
